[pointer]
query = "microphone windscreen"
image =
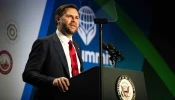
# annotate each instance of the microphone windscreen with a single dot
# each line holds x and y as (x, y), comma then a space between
(111, 46)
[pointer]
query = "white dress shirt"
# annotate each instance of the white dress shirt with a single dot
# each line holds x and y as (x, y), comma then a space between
(64, 41)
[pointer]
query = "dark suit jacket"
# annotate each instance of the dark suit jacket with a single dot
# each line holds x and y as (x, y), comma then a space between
(46, 62)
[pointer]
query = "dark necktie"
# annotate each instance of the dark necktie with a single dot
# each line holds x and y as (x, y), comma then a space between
(73, 58)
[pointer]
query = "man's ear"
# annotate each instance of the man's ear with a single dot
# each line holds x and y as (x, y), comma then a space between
(57, 18)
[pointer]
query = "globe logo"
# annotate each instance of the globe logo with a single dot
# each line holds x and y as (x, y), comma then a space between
(87, 28)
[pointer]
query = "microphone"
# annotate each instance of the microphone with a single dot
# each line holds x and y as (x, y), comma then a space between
(110, 51)
(117, 52)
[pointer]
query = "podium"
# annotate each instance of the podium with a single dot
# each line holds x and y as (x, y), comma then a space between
(86, 86)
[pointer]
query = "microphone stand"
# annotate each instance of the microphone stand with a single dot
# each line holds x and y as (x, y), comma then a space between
(100, 21)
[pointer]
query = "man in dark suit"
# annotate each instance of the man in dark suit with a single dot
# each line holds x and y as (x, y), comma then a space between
(49, 66)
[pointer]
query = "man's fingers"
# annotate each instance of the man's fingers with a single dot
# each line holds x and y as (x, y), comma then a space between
(67, 82)
(60, 86)
(63, 84)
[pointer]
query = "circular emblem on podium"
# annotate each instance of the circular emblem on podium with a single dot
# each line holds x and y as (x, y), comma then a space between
(125, 89)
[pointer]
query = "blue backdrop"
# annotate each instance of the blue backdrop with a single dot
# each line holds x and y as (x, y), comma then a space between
(139, 13)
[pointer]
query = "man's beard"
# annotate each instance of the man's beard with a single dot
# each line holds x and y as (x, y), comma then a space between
(67, 30)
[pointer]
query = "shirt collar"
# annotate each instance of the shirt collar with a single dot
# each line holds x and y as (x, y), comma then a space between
(62, 37)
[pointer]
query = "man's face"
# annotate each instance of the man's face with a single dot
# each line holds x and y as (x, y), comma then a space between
(69, 22)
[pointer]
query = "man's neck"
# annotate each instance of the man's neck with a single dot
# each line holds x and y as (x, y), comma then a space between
(66, 34)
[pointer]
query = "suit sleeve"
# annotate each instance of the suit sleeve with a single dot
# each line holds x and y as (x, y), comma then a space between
(32, 72)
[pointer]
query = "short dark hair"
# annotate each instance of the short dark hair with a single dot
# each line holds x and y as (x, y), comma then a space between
(61, 10)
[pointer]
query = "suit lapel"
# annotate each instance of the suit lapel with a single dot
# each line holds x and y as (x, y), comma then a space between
(79, 55)
(60, 52)
(77, 48)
